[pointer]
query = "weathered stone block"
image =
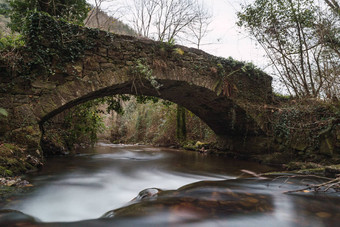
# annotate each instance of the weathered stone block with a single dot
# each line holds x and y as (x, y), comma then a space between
(107, 65)
(116, 46)
(90, 63)
(43, 84)
(299, 143)
(129, 63)
(75, 69)
(102, 51)
(59, 78)
(24, 115)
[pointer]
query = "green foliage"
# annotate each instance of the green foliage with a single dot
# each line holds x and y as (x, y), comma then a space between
(306, 127)
(46, 37)
(71, 10)
(3, 112)
(83, 123)
(171, 42)
(11, 41)
(114, 103)
(155, 123)
(281, 97)
(4, 8)
(51, 43)
(300, 41)
(234, 67)
(5, 172)
(143, 71)
(335, 107)
(142, 99)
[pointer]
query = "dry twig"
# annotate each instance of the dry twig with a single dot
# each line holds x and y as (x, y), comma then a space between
(323, 187)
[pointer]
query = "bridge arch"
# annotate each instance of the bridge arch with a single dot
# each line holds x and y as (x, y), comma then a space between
(208, 86)
(221, 114)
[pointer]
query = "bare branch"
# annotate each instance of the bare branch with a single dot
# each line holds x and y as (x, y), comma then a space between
(166, 20)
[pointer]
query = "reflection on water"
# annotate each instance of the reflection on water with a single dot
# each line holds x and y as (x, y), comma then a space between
(196, 190)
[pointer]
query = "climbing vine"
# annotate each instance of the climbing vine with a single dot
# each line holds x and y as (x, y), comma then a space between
(53, 42)
(142, 71)
(3, 112)
(227, 67)
(45, 45)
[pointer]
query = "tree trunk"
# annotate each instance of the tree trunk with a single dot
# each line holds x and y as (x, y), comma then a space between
(181, 130)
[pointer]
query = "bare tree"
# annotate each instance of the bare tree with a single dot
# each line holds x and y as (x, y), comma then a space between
(334, 5)
(200, 29)
(167, 20)
(143, 15)
(173, 17)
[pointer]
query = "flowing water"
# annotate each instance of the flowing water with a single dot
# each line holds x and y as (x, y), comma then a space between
(101, 187)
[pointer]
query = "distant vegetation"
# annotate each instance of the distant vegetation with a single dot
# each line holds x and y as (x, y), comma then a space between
(4, 19)
(155, 123)
(98, 19)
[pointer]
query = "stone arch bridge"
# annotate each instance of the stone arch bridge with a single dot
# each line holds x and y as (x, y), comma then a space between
(217, 90)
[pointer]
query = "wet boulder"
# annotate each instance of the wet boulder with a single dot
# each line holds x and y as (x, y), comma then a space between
(196, 201)
(16, 218)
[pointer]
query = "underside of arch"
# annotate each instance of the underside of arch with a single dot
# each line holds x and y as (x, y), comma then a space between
(220, 113)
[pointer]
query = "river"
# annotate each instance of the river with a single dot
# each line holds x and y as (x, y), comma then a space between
(100, 187)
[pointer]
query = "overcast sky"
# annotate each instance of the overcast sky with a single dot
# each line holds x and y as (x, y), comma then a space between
(229, 39)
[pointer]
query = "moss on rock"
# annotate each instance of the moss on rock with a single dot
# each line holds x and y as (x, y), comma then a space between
(16, 160)
(28, 136)
(53, 143)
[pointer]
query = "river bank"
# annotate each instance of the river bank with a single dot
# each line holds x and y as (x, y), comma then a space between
(14, 163)
(16, 160)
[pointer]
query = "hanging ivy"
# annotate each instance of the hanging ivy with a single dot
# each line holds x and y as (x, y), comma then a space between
(53, 42)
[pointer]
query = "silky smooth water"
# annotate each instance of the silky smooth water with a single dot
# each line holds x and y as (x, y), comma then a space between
(78, 190)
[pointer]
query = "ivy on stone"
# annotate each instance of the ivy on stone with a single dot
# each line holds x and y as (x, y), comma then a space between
(71, 10)
(52, 42)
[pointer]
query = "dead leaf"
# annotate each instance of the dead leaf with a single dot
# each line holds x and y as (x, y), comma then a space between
(323, 215)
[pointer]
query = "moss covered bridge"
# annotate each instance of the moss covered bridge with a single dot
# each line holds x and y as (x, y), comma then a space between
(63, 65)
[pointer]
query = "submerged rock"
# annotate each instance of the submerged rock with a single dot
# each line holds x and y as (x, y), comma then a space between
(147, 194)
(194, 201)
(16, 218)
